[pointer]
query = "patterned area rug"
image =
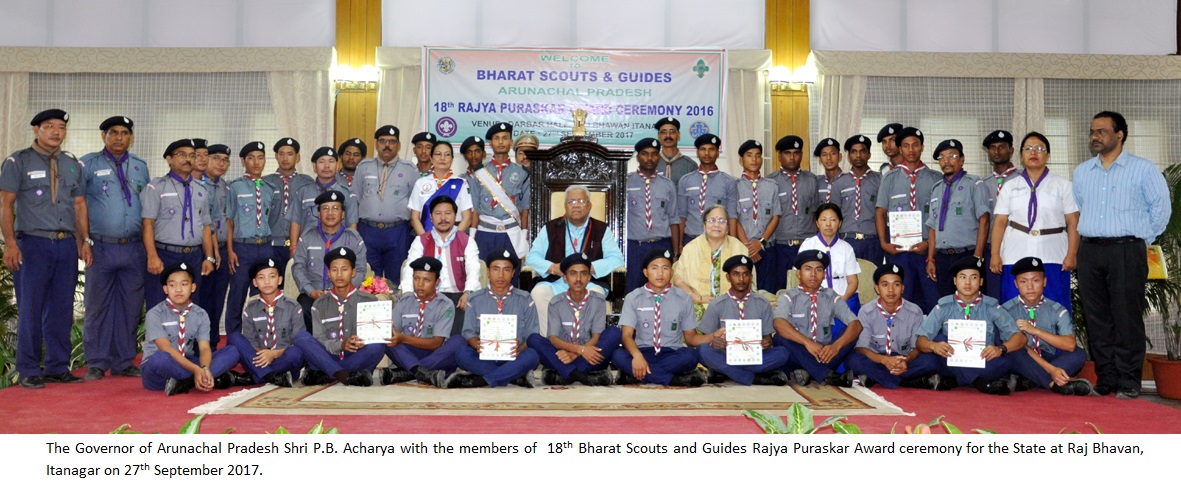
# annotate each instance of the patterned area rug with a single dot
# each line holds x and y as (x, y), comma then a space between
(413, 398)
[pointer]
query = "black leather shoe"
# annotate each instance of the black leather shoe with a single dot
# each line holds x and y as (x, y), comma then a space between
(942, 383)
(1104, 390)
(32, 382)
(94, 373)
(691, 378)
(774, 378)
(552, 377)
(713, 376)
(524, 381)
(601, 378)
(66, 377)
(175, 386)
(281, 379)
(800, 377)
(915, 382)
(360, 378)
(1022, 384)
(844, 380)
(314, 377)
(223, 381)
(243, 379)
(626, 378)
(866, 381)
(1082, 387)
(466, 380)
(995, 387)
(395, 375)
(130, 371)
(1128, 393)
(425, 375)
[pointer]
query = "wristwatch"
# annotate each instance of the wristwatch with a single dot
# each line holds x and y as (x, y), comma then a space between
(211, 259)
(1004, 349)
(89, 242)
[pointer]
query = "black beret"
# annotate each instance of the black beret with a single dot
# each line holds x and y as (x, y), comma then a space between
(355, 142)
(858, 139)
(177, 144)
(219, 149)
(340, 253)
(909, 132)
(647, 143)
(469, 142)
(504, 256)
(826, 142)
(286, 141)
(707, 139)
(889, 130)
(789, 142)
(998, 136)
(811, 255)
(199, 143)
(427, 263)
(654, 255)
(1027, 265)
(264, 264)
(330, 196)
(323, 151)
(668, 120)
(967, 262)
(251, 147)
(576, 258)
(423, 137)
(736, 261)
(498, 128)
(948, 144)
(176, 268)
(118, 121)
(888, 268)
(440, 199)
(748, 145)
(387, 130)
(50, 114)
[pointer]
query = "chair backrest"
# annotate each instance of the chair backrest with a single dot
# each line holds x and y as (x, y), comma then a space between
(580, 161)
(865, 281)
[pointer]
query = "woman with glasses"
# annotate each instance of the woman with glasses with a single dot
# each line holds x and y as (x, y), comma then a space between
(699, 271)
(1036, 216)
(440, 181)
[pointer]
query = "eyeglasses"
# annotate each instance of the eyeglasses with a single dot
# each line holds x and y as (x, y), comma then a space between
(950, 157)
(330, 207)
(181, 155)
(576, 202)
(717, 220)
(1035, 149)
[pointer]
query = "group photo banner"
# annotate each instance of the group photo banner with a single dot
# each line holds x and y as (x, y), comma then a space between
(624, 92)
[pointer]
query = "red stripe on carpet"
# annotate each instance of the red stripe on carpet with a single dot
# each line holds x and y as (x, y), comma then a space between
(102, 406)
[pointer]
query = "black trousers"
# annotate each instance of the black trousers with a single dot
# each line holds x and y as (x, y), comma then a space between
(1112, 279)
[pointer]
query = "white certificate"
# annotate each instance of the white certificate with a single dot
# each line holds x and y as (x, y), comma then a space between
(498, 337)
(375, 321)
(906, 228)
(968, 338)
(744, 342)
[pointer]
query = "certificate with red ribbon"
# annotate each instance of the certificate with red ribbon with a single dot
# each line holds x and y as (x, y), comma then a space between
(744, 342)
(968, 339)
(498, 337)
(375, 321)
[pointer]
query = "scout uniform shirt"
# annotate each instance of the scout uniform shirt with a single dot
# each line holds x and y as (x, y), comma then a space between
(993, 183)
(681, 165)
(902, 333)
(758, 203)
(249, 204)
(162, 322)
(331, 325)
(985, 308)
(309, 270)
(657, 195)
(286, 196)
(857, 195)
(165, 201)
(719, 189)
(437, 316)
(112, 194)
(516, 302)
(27, 174)
(725, 307)
(895, 192)
(797, 200)
(219, 192)
(287, 320)
(1047, 315)
(305, 212)
(824, 190)
(957, 220)
(515, 181)
(591, 316)
(383, 190)
(795, 306)
(676, 316)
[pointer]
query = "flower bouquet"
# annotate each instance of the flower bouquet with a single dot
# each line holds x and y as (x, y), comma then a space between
(377, 286)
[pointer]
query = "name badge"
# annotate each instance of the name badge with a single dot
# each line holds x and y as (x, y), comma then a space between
(633, 189)
(793, 315)
(259, 318)
(410, 316)
(168, 323)
(745, 199)
(245, 195)
(168, 194)
(648, 308)
(370, 177)
(102, 172)
(898, 196)
(326, 320)
(847, 189)
(314, 247)
(567, 323)
(698, 188)
(36, 174)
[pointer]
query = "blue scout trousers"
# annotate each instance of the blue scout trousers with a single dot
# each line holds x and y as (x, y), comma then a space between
(773, 358)
(114, 300)
(1026, 366)
(496, 373)
(408, 357)
(158, 368)
(993, 369)
(318, 357)
(386, 249)
(663, 367)
(291, 360)
(801, 358)
(916, 287)
(919, 367)
(785, 256)
(212, 296)
(241, 286)
(607, 344)
(44, 286)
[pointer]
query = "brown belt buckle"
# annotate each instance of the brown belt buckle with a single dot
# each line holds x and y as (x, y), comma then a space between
(858, 236)
(186, 250)
(950, 251)
(1034, 232)
(287, 243)
(61, 235)
(500, 228)
(380, 225)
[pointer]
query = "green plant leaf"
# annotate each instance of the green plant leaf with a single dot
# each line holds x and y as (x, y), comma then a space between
(952, 429)
(1096, 428)
(282, 431)
(125, 429)
(228, 430)
(984, 431)
(936, 421)
(317, 429)
(769, 423)
(332, 431)
(845, 428)
(894, 428)
(799, 420)
(193, 426)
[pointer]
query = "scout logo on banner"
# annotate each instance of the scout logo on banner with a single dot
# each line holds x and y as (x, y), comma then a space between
(623, 91)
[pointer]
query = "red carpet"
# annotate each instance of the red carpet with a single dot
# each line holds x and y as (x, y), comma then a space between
(102, 406)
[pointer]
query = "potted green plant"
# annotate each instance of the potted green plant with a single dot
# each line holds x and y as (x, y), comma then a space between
(1162, 295)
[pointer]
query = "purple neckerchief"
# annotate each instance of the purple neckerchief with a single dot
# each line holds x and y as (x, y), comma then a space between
(186, 209)
(122, 175)
(828, 270)
(213, 199)
(327, 246)
(325, 187)
(947, 196)
(1033, 194)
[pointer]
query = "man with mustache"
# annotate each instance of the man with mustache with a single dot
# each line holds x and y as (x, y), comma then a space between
(383, 185)
(673, 164)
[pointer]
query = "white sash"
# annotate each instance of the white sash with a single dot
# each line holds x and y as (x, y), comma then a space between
(493, 186)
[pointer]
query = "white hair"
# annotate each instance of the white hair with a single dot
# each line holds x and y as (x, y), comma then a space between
(577, 187)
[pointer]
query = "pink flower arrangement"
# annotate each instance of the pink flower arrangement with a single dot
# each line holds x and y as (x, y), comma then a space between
(376, 286)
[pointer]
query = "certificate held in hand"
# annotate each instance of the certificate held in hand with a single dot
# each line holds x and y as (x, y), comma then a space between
(744, 342)
(968, 339)
(375, 321)
(498, 337)
(906, 228)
